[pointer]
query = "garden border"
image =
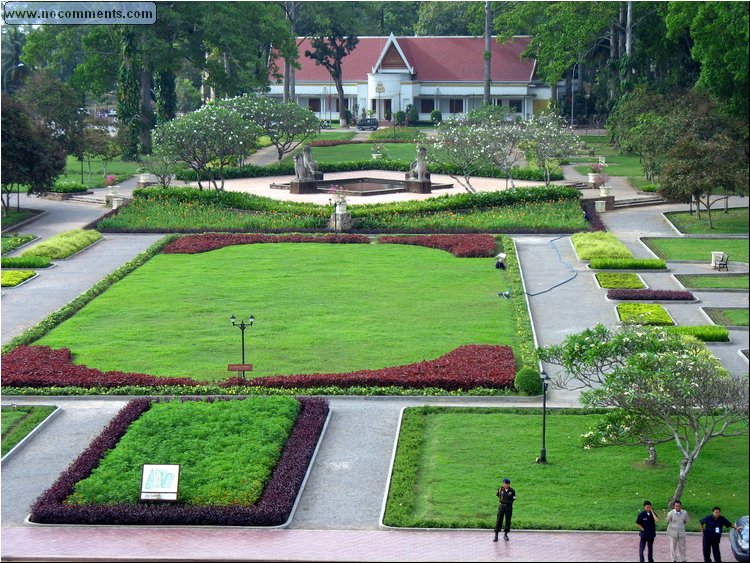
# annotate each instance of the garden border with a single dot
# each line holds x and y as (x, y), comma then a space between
(26, 439)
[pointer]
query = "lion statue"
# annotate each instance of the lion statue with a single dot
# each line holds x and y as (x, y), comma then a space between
(300, 170)
(310, 165)
(418, 168)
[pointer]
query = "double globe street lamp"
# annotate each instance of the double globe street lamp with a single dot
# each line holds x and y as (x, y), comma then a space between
(242, 325)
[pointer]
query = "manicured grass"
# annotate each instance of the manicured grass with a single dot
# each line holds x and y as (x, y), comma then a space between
(14, 217)
(317, 307)
(362, 151)
(26, 262)
(11, 242)
(649, 314)
(714, 281)
(65, 244)
(227, 451)
(599, 245)
(619, 281)
(18, 421)
(734, 222)
(450, 462)
(12, 278)
(119, 168)
(728, 317)
(698, 249)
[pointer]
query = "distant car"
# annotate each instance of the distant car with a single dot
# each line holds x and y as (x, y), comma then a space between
(739, 541)
(367, 123)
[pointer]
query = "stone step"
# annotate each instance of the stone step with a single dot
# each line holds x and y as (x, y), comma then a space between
(638, 202)
(88, 200)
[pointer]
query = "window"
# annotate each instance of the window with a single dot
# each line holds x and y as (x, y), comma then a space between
(314, 104)
(497, 101)
(426, 105)
(516, 105)
(456, 105)
(336, 103)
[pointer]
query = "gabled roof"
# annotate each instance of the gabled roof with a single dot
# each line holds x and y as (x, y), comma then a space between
(392, 56)
(428, 59)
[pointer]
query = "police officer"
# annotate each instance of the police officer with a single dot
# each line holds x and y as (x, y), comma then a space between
(507, 495)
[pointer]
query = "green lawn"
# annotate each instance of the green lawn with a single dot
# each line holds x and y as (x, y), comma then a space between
(734, 222)
(117, 167)
(714, 281)
(13, 217)
(728, 317)
(618, 165)
(363, 151)
(698, 249)
(317, 308)
(450, 462)
(18, 421)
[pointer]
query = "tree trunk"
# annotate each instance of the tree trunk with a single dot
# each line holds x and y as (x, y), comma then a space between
(89, 163)
(287, 80)
(685, 465)
(629, 31)
(708, 210)
(146, 113)
(340, 91)
(613, 74)
(651, 459)
(487, 52)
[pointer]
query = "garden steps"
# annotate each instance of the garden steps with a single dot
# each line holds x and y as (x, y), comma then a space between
(638, 202)
(91, 200)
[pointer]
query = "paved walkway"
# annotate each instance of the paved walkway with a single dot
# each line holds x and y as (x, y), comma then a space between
(338, 515)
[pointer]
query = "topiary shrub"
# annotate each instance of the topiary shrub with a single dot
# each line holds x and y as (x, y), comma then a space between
(413, 115)
(529, 382)
(436, 116)
(399, 117)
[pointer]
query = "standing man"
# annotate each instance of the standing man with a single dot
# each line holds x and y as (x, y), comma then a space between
(506, 495)
(677, 518)
(646, 521)
(711, 528)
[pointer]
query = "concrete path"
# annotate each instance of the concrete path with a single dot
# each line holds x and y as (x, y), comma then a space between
(338, 514)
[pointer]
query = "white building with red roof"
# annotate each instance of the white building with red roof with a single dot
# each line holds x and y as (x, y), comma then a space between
(387, 74)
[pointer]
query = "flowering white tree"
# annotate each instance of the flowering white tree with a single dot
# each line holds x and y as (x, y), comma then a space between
(670, 383)
(463, 147)
(549, 141)
(287, 124)
(207, 140)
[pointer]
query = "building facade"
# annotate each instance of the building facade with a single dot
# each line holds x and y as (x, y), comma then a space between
(383, 75)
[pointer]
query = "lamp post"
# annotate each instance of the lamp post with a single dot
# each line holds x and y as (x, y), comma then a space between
(5, 76)
(379, 88)
(242, 326)
(545, 384)
(325, 100)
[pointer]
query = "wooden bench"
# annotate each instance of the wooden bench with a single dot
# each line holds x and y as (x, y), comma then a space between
(722, 263)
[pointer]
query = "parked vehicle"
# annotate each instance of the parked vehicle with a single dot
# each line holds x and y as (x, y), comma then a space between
(739, 541)
(368, 123)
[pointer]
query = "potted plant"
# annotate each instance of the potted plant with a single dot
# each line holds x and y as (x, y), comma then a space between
(599, 181)
(596, 168)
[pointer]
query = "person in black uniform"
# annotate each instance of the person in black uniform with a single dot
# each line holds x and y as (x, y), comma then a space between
(646, 522)
(507, 495)
(711, 528)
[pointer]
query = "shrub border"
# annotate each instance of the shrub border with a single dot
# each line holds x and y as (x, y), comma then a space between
(274, 509)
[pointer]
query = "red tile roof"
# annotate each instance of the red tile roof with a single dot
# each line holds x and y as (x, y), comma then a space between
(433, 59)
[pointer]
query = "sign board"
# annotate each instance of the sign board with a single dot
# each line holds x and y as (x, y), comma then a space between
(240, 367)
(160, 482)
(379, 88)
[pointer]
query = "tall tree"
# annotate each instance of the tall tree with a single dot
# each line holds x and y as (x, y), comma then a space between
(332, 41)
(443, 18)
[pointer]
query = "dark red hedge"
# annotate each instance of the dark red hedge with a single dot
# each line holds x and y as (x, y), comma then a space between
(193, 244)
(462, 246)
(466, 367)
(651, 294)
(273, 508)
(463, 368)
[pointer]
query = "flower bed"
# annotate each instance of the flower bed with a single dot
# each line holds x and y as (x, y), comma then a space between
(465, 367)
(652, 294)
(619, 281)
(461, 246)
(193, 244)
(12, 278)
(644, 314)
(273, 509)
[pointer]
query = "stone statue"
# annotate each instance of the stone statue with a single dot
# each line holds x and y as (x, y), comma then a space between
(310, 165)
(300, 170)
(418, 168)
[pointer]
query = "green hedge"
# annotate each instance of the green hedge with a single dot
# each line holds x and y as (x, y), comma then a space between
(286, 168)
(529, 382)
(11, 242)
(26, 262)
(706, 333)
(65, 244)
(599, 245)
(12, 278)
(619, 281)
(644, 314)
(69, 188)
(628, 264)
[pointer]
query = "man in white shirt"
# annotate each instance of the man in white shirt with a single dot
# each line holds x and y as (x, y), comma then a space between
(676, 520)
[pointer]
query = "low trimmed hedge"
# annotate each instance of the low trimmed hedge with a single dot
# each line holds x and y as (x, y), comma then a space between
(273, 509)
(11, 242)
(650, 294)
(648, 314)
(599, 245)
(65, 244)
(12, 278)
(69, 188)
(195, 244)
(628, 264)
(461, 246)
(619, 281)
(26, 262)
(466, 367)
(706, 333)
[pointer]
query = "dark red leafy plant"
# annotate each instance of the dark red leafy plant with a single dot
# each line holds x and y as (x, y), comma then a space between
(650, 294)
(273, 508)
(193, 244)
(462, 246)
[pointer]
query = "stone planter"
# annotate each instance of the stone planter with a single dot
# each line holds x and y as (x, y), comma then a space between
(604, 191)
(592, 175)
(376, 156)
